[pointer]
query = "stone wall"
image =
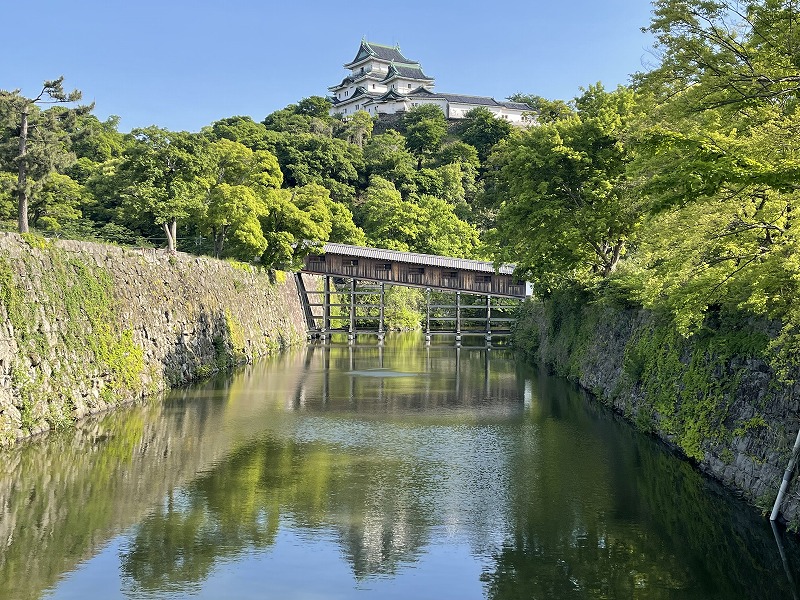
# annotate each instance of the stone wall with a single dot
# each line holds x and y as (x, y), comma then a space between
(84, 326)
(729, 414)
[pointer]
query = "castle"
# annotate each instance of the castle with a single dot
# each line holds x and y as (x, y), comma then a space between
(383, 81)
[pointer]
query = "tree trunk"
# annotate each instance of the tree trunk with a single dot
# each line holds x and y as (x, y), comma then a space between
(171, 229)
(219, 240)
(22, 175)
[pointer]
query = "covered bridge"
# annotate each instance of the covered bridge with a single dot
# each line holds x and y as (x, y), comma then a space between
(416, 270)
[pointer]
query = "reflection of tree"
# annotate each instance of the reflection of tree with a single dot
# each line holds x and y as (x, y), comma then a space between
(662, 532)
(61, 500)
(374, 504)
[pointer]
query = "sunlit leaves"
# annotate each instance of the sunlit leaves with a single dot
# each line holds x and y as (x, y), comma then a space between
(565, 207)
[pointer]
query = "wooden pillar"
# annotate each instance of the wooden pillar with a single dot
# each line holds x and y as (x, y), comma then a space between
(352, 330)
(458, 318)
(489, 319)
(487, 374)
(380, 316)
(326, 309)
(427, 314)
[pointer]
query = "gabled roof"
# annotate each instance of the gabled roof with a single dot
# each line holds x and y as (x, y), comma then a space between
(360, 93)
(380, 51)
(406, 72)
(516, 105)
(417, 258)
(465, 99)
(392, 95)
(350, 79)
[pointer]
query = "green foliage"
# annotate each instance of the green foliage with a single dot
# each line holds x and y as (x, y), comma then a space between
(716, 165)
(404, 308)
(57, 203)
(386, 155)
(429, 225)
(425, 127)
(358, 128)
(544, 110)
(482, 130)
(36, 143)
(565, 211)
(161, 177)
(691, 383)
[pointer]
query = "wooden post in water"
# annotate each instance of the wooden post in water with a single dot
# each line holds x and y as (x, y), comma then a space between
(427, 315)
(458, 319)
(489, 320)
(380, 316)
(326, 308)
(351, 335)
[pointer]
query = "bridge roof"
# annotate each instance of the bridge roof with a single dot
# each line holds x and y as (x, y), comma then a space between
(417, 258)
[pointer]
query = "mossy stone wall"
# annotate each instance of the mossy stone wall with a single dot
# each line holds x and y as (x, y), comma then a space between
(84, 326)
(712, 396)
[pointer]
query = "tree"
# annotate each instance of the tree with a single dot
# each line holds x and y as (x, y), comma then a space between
(295, 222)
(162, 176)
(441, 232)
(388, 220)
(310, 115)
(314, 106)
(482, 130)
(236, 197)
(565, 209)
(358, 128)
(717, 162)
(57, 203)
(41, 142)
(386, 155)
(544, 110)
(240, 129)
(96, 140)
(726, 52)
(424, 127)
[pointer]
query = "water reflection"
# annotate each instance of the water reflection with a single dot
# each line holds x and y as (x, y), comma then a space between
(399, 465)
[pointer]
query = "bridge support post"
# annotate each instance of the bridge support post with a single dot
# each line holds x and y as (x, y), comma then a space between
(326, 308)
(351, 334)
(489, 320)
(380, 315)
(427, 315)
(458, 319)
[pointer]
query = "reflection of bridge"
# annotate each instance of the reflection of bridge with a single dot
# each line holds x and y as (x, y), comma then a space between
(360, 275)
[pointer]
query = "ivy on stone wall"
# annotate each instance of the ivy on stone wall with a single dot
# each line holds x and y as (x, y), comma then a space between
(71, 307)
(684, 387)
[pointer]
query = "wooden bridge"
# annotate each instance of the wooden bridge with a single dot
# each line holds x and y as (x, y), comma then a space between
(462, 297)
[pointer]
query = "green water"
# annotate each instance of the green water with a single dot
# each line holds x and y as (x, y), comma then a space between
(367, 472)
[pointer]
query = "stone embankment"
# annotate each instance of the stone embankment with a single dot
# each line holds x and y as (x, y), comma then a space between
(85, 326)
(710, 397)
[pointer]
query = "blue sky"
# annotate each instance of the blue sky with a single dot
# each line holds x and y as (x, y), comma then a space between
(182, 64)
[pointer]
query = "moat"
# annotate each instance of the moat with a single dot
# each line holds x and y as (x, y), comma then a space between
(365, 471)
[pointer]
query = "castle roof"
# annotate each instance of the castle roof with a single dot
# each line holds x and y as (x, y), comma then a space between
(380, 51)
(406, 71)
(422, 92)
(360, 93)
(355, 77)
